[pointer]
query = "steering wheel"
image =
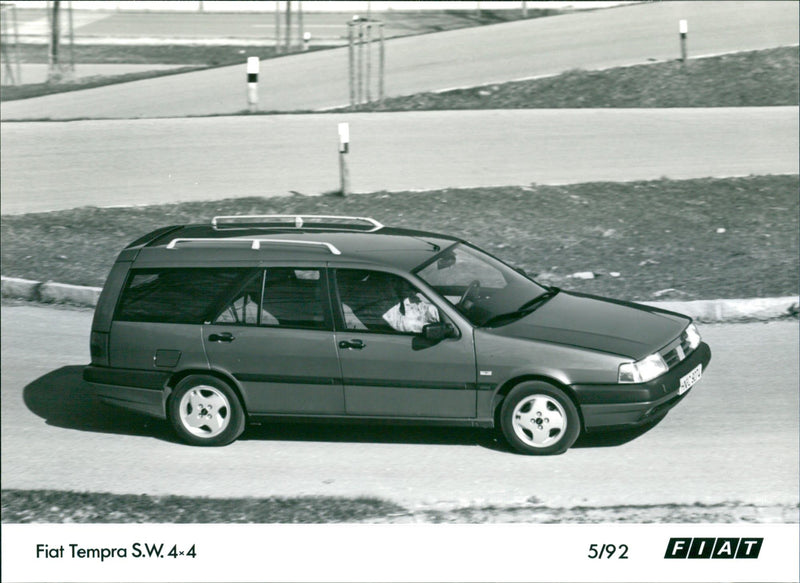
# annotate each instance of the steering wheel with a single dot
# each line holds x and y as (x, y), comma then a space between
(472, 289)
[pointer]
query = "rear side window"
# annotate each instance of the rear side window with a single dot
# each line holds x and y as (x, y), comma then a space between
(288, 297)
(178, 296)
(293, 298)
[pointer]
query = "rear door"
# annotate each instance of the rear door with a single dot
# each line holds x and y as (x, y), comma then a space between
(275, 336)
(388, 368)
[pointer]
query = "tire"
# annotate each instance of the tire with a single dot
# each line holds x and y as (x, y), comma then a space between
(205, 410)
(539, 419)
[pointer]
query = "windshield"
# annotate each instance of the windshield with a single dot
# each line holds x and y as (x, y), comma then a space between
(479, 286)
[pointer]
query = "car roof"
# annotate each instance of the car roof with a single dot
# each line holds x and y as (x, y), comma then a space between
(195, 244)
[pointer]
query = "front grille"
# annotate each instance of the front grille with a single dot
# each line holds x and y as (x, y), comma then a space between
(676, 351)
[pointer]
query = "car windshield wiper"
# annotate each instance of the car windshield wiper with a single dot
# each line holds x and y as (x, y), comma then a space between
(525, 309)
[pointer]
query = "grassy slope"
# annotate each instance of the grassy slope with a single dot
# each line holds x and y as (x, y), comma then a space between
(758, 78)
(658, 234)
(49, 506)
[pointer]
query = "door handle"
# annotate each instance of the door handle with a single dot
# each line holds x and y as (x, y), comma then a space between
(355, 344)
(222, 337)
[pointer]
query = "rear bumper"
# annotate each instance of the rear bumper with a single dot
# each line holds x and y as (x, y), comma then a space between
(619, 406)
(140, 391)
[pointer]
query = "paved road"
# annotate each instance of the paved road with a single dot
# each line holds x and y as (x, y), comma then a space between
(50, 166)
(155, 25)
(467, 57)
(734, 439)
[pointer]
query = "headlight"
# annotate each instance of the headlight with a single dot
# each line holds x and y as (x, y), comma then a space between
(693, 336)
(645, 370)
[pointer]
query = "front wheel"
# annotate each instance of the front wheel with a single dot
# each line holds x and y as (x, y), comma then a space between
(539, 419)
(204, 410)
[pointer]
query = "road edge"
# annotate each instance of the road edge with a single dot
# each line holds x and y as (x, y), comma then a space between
(710, 311)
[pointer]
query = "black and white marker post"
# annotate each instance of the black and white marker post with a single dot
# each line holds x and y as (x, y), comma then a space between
(683, 27)
(252, 82)
(344, 148)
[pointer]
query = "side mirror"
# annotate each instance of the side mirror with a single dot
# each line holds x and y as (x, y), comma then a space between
(438, 331)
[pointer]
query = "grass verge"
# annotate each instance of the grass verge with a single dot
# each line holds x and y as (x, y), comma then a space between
(662, 239)
(57, 506)
(759, 78)
(53, 506)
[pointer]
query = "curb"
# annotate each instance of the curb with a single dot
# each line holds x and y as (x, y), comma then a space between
(49, 292)
(724, 310)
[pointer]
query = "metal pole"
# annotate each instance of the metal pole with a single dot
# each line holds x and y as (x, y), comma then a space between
(55, 41)
(360, 95)
(301, 38)
(369, 62)
(351, 63)
(48, 9)
(524, 9)
(16, 45)
(288, 26)
(381, 66)
(9, 72)
(277, 27)
(71, 39)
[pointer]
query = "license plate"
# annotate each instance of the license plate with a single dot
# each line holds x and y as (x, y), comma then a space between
(688, 381)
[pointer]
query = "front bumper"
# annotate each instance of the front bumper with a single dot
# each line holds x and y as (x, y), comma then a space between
(619, 406)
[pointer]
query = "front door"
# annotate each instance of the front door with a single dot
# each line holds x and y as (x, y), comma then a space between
(276, 338)
(388, 369)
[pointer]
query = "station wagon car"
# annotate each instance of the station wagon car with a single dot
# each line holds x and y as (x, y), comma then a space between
(251, 318)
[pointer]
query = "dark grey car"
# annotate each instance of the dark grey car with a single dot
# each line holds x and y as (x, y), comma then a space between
(256, 317)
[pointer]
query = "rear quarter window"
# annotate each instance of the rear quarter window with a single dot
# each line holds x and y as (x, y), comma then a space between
(177, 295)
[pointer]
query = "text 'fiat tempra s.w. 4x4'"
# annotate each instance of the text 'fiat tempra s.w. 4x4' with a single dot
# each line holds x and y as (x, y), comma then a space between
(255, 317)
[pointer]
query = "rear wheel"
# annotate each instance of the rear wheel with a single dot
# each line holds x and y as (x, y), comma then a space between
(539, 419)
(204, 410)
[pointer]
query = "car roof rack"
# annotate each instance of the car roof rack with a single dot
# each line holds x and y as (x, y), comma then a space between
(321, 222)
(255, 244)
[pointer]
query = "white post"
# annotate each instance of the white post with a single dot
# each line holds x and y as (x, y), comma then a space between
(344, 148)
(683, 28)
(252, 82)
(306, 40)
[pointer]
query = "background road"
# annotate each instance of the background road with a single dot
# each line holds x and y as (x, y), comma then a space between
(51, 166)
(155, 23)
(733, 439)
(544, 46)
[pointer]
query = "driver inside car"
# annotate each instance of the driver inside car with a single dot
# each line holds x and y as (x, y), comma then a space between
(412, 314)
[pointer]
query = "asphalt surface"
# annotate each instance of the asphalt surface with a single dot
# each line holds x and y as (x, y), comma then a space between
(733, 439)
(50, 165)
(154, 25)
(614, 37)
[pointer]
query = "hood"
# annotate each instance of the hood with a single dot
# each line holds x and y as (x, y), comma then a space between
(613, 326)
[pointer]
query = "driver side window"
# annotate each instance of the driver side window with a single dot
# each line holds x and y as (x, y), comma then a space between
(383, 302)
